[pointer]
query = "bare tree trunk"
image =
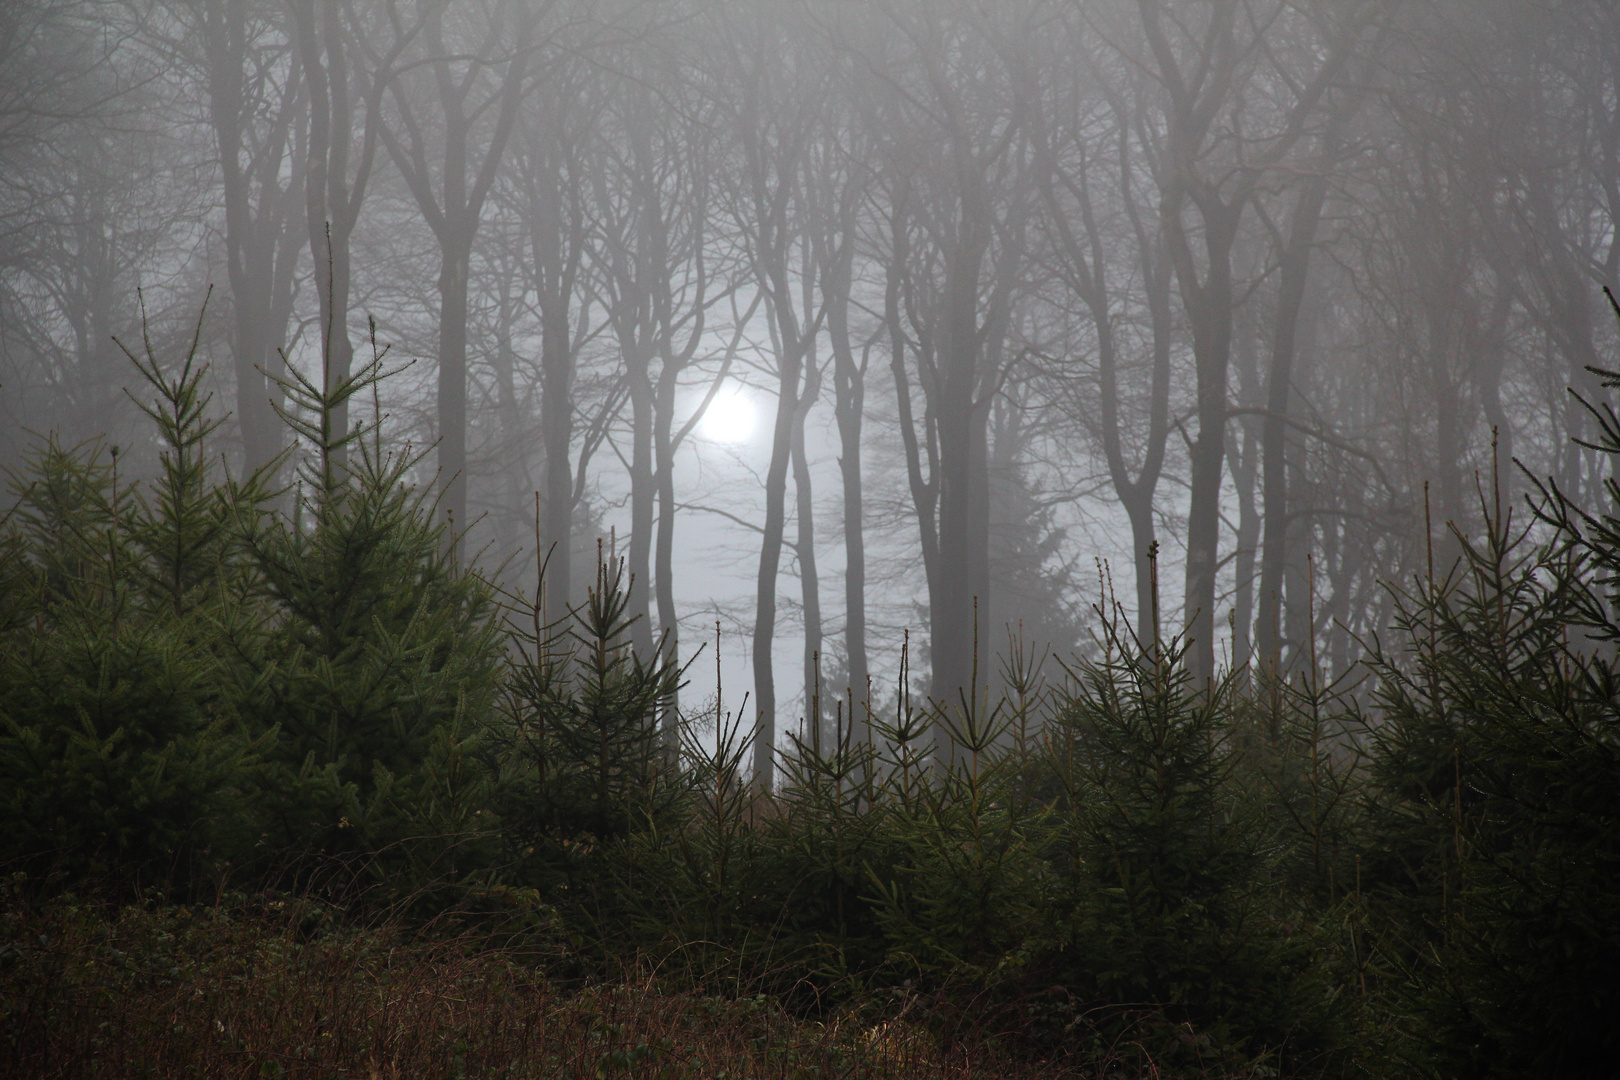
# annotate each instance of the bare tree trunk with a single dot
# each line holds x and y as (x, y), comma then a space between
(652, 215)
(1084, 261)
(770, 561)
(771, 191)
(558, 249)
(506, 409)
(956, 241)
(1567, 296)
(849, 396)
(452, 202)
(1243, 465)
(1443, 315)
(551, 153)
(332, 197)
(557, 431)
(665, 443)
(1209, 307)
(922, 475)
(809, 579)
(1204, 83)
(963, 575)
(258, 204)
(643, 496)
(1293, 269)
(452, 389)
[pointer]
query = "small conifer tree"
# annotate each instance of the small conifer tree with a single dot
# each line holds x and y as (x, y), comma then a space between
(586, 768)
(118, 757)
(1168, 861)
(1495, 855)
(378, 663)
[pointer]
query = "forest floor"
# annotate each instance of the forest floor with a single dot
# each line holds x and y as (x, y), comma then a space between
(282, 990)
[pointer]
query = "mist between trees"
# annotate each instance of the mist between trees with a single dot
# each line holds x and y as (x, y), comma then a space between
(1199, 344)
(1009, 288)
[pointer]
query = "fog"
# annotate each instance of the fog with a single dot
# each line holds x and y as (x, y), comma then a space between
(841, 322)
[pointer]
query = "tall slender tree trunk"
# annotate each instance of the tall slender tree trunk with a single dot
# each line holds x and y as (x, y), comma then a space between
(556, 420)
(809, 578)
(452, 389)
(1274, 435)
(332, 201)
(849, 394)
(1243, 466)
(1087, 268)
(557, 430)
(1568, 295)
(669, 629)
(770, 562)
(962, 582)
(1443, 312)
(924, 486)
(1242, 463)
(1489, 365)
(452, 201)
(1139, 507)
(258, 202)
(643, 497)
(506, 409)
(1210, 306)
(1206, 83)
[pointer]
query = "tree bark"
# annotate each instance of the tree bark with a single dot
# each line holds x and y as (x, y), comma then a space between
(557, 241)
(1084, 260)
(1294, 266)
(849, 398)
(643, 493)
(809, 578)
(770, 562)
(1209, 307)
(1204, 86)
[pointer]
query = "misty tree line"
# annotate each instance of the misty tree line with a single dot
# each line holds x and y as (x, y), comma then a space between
(1287, 283)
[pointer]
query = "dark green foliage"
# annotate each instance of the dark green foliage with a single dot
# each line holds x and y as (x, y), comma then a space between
(375, 664)
(377, 641)
(184, 671)
(110, 762)
(117, 754)
(706, 899)
(585, 765)
(962, 897)
(835, 823)
(1497, 771)
(1416, 874)
(1170, 859)
(186, 532)
(63, 535)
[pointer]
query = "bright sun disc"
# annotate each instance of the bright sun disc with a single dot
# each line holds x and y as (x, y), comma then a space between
(730, 417)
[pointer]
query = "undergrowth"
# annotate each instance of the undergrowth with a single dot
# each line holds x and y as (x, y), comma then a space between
(286, 988)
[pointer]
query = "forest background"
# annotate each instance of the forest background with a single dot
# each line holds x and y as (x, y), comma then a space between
(1009, 299)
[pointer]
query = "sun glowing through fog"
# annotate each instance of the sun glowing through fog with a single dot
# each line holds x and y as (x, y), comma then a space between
(730, 418)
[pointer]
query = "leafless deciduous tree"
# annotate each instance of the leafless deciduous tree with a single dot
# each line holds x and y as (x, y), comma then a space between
(467, 65)
(257, 102)
(951, 128)
(1235, 108)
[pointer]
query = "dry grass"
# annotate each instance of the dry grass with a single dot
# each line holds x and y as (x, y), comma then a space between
(282, 992)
